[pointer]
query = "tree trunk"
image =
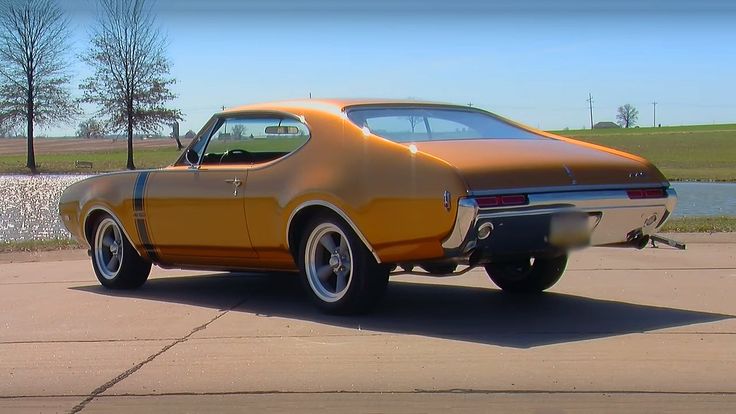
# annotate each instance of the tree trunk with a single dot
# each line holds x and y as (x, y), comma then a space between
(31, 159)
(130, 166)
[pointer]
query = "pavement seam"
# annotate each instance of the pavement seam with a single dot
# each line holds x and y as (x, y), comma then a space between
(416, 391)
(646, 269)
(104, 387)
(85, 341)
(350, 335)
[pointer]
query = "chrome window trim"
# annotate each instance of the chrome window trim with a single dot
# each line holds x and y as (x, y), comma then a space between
(210, 128)
(340, 213)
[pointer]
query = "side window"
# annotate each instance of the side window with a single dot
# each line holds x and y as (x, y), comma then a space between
(249, 140)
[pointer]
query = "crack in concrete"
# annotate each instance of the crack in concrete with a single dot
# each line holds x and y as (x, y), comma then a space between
(109, 384)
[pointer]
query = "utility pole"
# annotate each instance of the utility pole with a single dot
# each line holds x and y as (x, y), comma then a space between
(590, 102)
(654, 104)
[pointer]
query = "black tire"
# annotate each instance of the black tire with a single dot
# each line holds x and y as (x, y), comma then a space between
(527, 276)
(339, 273)
(439, 269)
(115, 261)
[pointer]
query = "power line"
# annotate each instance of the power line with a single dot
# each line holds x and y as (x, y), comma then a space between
(590, 104)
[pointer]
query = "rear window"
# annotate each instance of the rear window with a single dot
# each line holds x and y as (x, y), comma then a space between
(416, 124)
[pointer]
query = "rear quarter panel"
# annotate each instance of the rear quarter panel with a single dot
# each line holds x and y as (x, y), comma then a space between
(394, 197)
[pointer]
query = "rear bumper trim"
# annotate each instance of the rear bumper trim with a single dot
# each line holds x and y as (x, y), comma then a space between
(620, 216)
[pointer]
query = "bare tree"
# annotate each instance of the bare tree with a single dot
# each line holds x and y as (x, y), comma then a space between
(34, 38)
(131, 82)
(239, 130)
(414, 121)
(627, 115)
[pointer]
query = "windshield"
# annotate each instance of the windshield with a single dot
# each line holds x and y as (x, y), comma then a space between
(416, 124)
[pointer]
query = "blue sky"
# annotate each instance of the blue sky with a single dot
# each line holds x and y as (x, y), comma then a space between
(532, 61)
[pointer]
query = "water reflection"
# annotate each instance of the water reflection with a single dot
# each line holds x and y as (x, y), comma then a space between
(29, 206)
(705, 199)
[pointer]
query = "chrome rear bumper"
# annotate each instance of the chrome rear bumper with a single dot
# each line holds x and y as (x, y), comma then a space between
(615, 218)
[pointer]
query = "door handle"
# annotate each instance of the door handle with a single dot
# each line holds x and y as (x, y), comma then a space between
(236, 183)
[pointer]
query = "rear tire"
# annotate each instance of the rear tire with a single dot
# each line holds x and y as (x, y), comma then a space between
(439, 269)
(338, 271)
(115, 261)
(533, 275)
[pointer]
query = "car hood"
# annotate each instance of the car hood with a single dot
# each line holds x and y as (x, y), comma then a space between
(530, 163)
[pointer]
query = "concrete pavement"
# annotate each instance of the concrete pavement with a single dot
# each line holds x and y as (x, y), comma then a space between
(623, 331)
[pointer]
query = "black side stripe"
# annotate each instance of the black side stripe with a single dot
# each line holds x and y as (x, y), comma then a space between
(139, 215)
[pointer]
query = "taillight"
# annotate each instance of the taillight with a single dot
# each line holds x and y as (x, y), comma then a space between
(502, 200)
(646, 193)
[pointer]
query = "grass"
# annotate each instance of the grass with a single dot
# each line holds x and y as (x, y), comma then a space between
(701, 225)
(115, 160)
(38, 245)
(103, 161)
(697, 152)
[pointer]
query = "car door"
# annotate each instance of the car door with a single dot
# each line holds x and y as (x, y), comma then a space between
(196, 214)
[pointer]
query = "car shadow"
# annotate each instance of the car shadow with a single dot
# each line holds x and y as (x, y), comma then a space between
(482, 315)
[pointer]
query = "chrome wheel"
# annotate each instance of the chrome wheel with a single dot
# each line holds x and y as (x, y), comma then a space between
(109, 248)
(329, 262)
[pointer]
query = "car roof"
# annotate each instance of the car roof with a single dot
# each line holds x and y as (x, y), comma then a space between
(332, 105)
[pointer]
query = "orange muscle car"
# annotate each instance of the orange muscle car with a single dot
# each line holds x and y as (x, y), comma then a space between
(348, 192)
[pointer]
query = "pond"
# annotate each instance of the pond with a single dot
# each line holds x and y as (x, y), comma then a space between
(29, 210)
(705, 199)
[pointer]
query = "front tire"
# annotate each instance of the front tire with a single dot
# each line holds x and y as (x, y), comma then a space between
(115, 261)
(531, 275)
(338, 271)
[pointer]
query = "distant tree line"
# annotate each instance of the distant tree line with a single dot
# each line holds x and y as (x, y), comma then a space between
(130, 84)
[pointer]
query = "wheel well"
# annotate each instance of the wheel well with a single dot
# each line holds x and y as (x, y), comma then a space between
(89, 224)
(302, 217)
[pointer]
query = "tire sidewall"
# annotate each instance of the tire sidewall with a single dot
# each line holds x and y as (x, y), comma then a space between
(543, 274)
(133, 270)
(367, 281)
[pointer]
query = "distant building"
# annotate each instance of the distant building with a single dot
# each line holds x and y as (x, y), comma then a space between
(606, 124)
(189, 135)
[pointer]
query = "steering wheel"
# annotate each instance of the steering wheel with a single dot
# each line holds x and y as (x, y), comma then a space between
(230, 153)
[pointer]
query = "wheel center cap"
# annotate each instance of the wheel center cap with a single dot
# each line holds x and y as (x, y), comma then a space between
(114, 248)
(335, 261)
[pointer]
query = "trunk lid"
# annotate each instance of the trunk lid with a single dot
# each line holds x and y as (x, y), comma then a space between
(500, 164)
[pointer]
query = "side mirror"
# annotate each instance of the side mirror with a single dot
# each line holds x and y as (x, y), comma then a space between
(192, 157)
